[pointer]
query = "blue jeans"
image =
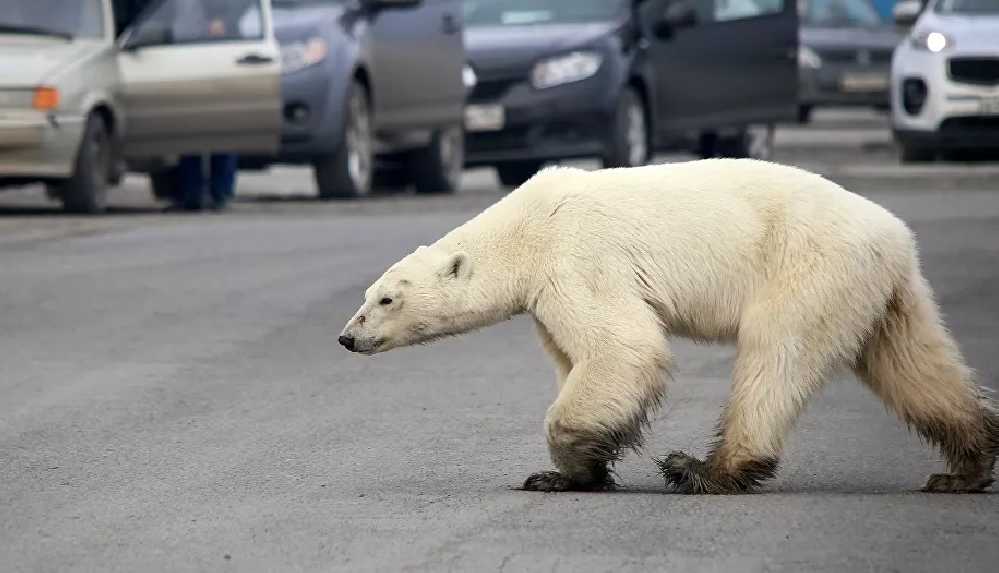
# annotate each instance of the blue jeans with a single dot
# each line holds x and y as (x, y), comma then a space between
(221, 180)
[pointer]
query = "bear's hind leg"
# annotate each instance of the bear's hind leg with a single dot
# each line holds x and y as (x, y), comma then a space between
(915, 367)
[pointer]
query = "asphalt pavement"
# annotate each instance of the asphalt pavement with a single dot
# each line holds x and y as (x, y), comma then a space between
(172, 398)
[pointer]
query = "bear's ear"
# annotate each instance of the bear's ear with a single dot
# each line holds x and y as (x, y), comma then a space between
(457, 266)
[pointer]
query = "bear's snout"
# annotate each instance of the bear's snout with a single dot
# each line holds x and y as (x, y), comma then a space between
(347, 342)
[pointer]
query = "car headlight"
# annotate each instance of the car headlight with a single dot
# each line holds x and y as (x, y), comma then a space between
(808, 59)
(468, 77)
(565, 69)
(300, 55)
(932, 41)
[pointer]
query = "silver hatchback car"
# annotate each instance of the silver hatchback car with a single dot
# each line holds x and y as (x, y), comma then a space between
(91, 88)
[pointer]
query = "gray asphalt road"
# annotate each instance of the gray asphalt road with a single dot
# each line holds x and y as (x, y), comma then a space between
(172, 398)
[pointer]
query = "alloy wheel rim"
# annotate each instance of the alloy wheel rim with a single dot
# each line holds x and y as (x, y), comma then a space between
(636, 135)
(358, 139)
(760, 140)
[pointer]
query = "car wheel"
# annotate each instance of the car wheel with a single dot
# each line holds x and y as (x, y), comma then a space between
(437, 167)
(804, 113)
(515, 173)
(348, 172)
(86, 190)
(909, 153)
(386, 179)
(753, 142)
(629, 139)
(164, 183)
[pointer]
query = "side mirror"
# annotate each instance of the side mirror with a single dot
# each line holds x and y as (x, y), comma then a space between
(678, 14)
(148, 34)
(906, 12)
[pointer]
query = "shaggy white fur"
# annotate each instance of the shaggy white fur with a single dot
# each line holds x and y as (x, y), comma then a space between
(801, 274)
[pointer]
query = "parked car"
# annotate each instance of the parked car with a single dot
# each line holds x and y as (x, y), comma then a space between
(373, 93)
(845, 55)
(90, 87)
(619, 79)
(945, 78)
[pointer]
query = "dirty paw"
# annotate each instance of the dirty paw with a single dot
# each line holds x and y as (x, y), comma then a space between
(683, 473)
(956, 483)
(554, 481)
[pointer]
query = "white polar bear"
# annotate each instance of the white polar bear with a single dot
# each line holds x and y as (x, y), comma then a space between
(801, 274)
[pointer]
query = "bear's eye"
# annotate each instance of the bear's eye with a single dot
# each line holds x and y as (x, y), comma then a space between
(385, 300)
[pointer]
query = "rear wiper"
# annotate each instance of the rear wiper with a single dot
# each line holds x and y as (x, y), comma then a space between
(33, 31)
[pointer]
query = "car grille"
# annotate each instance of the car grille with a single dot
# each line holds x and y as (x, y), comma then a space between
(970, 125)
(510, 138)
(491, 90)
(855, 56)
(982, 71)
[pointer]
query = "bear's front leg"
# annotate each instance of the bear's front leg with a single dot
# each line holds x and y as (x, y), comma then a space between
(599, 413)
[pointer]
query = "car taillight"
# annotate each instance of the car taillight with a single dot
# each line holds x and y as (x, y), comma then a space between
(914, 93)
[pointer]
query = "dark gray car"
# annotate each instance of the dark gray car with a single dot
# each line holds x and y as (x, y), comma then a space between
(372, 90)
(845, 55)
(620, 79)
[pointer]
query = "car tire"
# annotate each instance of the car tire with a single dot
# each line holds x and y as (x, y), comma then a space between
(164, 183)
(348, 172)
(629, 138)
(909, 153)
(515, 173)
(87, 189)
(389, 179)
(437, 168)
(804, 113)
(751, 142)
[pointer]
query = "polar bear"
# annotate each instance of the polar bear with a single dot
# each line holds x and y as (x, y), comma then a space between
(799, 273)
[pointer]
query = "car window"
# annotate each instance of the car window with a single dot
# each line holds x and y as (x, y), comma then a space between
(726, 10)
(199, 21)
(839, 14)
(967, 7)
(81, 18)
(524, 12)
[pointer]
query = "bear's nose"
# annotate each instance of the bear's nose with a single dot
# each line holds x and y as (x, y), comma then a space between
(347, 342)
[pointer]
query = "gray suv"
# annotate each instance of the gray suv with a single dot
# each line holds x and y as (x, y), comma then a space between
(89, 87)
(372, 93)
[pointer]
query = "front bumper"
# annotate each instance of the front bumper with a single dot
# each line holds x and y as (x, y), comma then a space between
(561, 122)
(848, 85)
(312, 123)
(36, 145)
(954, 114)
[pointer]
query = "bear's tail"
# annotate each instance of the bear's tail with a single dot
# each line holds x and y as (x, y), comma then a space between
(914, 365)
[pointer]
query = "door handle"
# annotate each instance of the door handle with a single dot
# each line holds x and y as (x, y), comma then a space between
(449, 25)
(254, 60)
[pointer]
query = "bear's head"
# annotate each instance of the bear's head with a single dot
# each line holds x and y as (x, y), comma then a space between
(417, 300)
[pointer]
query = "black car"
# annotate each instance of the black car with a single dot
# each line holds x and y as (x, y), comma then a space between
(372, 93)
(618, 79)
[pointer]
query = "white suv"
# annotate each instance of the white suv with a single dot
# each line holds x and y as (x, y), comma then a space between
(945, 77)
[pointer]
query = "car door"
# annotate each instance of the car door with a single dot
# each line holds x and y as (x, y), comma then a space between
(200, 76)
(723, 62)
(417, 53)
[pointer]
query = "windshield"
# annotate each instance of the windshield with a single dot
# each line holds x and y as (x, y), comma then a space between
(968, 7)
(840, 14)
(82, 18)
(523, 12)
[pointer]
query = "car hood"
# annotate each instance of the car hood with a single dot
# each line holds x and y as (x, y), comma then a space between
(850, 38)
(31, 61)
(292, 23)
(499, 49)
(970, 32)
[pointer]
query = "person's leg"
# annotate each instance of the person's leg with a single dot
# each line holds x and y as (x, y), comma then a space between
(191, 182)
(223, 178)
